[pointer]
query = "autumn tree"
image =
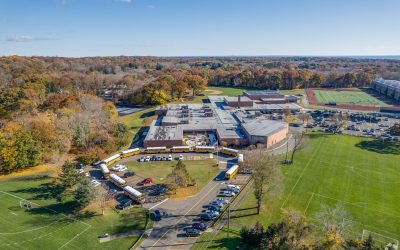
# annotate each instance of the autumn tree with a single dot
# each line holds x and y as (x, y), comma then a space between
(395, 129)
(267, 174)
(180, 177)
(196, 83)
(18, 149)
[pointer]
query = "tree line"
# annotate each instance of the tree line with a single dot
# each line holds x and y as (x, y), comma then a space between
(40, 122)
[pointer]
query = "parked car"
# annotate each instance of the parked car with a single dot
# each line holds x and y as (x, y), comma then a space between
(234, 188)
(222, 200)
(119, 168)
(214, 208)
(124, 204)
(157, 215)
(96, 163)
(192, 232)
(141, 159)
(169, 158)
(216, 203)
(212, 213)
(227, 194)
(206, 217)
(180, 157)
(200, 226)
(146, 181)
(129, 174)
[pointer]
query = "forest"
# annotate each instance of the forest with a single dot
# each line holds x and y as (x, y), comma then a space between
(53, 108)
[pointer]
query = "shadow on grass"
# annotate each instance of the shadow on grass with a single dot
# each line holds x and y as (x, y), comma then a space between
(381, 147)
(148, 114)
(233, 242)
(44, 191)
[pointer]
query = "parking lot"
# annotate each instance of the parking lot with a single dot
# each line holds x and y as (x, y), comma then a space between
(373, 125)
(179, 215)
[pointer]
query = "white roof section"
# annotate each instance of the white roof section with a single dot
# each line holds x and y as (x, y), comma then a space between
(205, 147)
(111, 158)
(232, 169)
(130, 150)
(132, 191)
(181, 147)
(117, 179)
(104, 169)
(155, 148)
(230, 149)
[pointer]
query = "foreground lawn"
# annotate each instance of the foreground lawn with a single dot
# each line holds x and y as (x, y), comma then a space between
(203, 171)
(49, 224)
(347, 97)
(332, 170)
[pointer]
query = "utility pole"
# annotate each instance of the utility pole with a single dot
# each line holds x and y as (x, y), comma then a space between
(229, 218)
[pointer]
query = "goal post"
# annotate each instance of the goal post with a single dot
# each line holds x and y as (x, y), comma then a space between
(25, 204)
(380, 238)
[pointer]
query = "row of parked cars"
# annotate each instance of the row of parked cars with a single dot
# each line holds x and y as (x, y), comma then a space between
(149, 158)
(212, 211)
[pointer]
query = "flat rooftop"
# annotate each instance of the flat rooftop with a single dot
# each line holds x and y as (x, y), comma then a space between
(263, 127)
(261, 92)
(164, 133)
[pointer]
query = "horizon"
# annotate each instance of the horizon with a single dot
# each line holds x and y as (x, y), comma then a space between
(88, 28)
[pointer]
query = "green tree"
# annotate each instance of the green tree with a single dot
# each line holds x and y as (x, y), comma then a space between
(180, 177)
(84, 193)
(69, 177)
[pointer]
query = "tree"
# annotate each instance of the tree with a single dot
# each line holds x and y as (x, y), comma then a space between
(180, 177)
(395, 129)
(298, 138)
(335, 222)
(304, 117)
(196, 83)
(103, 196)
(266, 174)
(84, 193)
(69, 176)
(18, 150)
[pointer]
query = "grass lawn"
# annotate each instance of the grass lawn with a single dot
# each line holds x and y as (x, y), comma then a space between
(359, 174)
(45, 227)
(347, 97)
(201, 170)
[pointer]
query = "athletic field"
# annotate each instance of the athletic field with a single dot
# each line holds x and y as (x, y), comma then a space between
(347, 97)
(48, 225)
(360, 175)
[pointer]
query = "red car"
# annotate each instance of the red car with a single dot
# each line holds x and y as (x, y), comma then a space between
(146, 181)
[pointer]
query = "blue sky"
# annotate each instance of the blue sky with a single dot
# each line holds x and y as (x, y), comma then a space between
(199, 27)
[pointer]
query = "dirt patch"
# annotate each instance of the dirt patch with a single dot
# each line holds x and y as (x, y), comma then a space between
(44, 169)
(214, 92)
(185, 192)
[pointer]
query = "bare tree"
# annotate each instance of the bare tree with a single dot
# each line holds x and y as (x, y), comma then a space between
(304, 117)
(340, 120)
(267, 174)
(335, 222)
(299, 142)
(104, 195)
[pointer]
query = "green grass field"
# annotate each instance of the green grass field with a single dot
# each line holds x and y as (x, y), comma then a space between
(347, 97)
(361, 175)
(201, 170)
(48, 225)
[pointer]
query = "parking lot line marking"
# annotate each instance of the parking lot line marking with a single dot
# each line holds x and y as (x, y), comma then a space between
(183, 216)
(156, 205)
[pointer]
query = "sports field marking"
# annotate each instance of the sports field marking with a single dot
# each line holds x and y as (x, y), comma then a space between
(76, 236)
(352, 169)
(309, 202)
(301, 175)
(34, 229)
(49, 209)
(39, 237)
(50, 233)
(353, 221)
(357, 205)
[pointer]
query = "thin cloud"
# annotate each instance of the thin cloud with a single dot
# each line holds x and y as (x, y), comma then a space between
(151, 6)
(123, 1)
(27, 38)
